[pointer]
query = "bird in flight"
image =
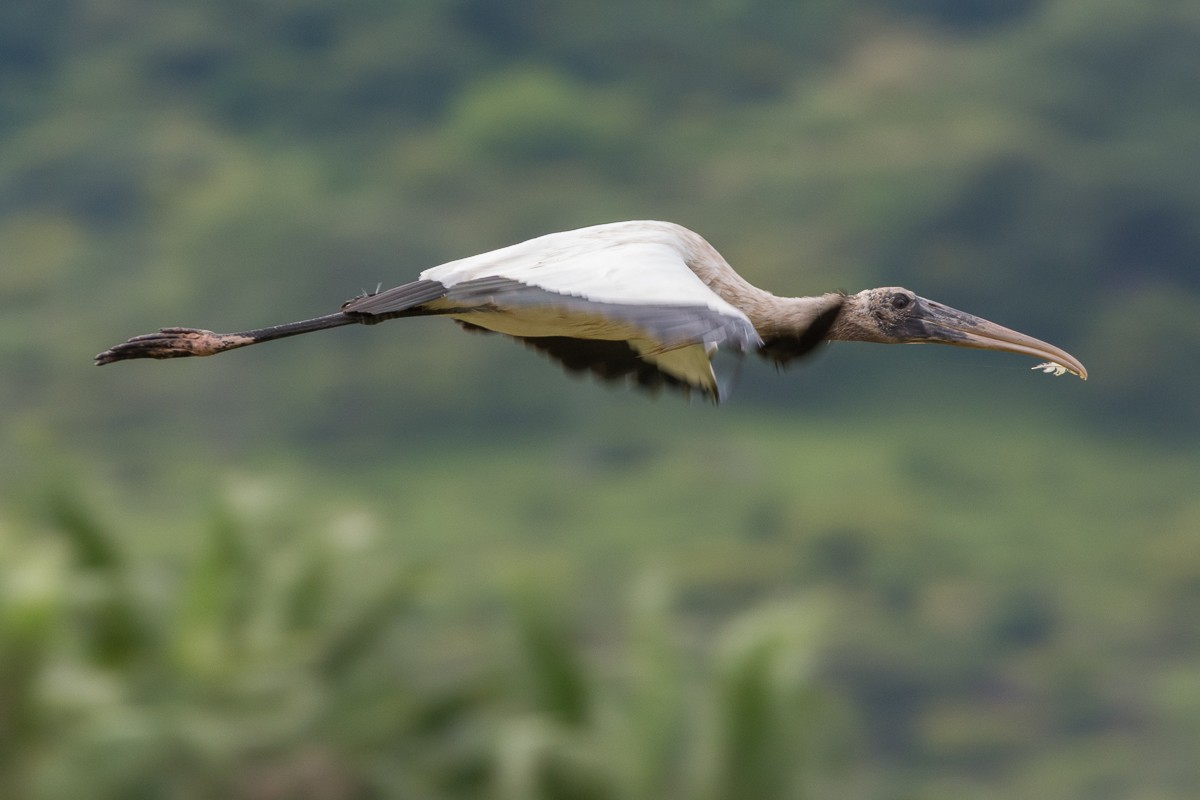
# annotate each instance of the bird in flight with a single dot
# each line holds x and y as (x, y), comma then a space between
(651, 302)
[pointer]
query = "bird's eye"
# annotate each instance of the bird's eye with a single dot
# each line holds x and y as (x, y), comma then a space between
(900, 301)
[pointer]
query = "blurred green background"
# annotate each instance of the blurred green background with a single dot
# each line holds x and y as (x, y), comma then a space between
(403, 562)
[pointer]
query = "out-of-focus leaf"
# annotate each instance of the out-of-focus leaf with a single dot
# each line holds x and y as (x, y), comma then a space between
(91, 543)
(555, 676)
(762, 695)
(217, 599)
(541, 760)
(356, 637)
(305, 605)
(114, 631)
(652, 737)
(31, 605)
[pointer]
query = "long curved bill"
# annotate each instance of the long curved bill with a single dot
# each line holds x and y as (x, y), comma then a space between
(935, 322)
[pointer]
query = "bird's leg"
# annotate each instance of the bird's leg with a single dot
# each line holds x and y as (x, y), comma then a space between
(181, 342)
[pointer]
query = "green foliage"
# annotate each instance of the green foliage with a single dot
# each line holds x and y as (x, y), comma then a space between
(559, 685)
(536, 116)
(1005, 564)
(737, 728)
(222, 693)
(227, 694)
(302, 152)
(979, 618)
(765, 709)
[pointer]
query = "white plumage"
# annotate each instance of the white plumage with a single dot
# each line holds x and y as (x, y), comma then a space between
(620, 282)
(634, 263)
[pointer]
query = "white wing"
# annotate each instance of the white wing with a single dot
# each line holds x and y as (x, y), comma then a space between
(639, 262)
(625, 281)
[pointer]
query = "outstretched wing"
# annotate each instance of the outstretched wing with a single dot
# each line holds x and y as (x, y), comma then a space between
(627, 283)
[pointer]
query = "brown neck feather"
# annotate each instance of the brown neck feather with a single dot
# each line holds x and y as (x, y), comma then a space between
(774, 316)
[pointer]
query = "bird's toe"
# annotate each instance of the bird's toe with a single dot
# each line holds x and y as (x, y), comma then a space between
(163, 343)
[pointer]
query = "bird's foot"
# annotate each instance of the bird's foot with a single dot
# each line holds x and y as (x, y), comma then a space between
(173, 343)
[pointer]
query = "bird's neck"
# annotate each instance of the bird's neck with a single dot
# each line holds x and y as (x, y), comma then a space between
(774, 316)
(771, 315)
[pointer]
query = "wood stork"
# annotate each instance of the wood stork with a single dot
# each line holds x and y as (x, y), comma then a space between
(646, 301)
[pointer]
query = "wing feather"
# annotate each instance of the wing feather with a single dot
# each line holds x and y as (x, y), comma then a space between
(614, 362)
(395, 302)
(609, 361)
(622, 262)
(626, 285)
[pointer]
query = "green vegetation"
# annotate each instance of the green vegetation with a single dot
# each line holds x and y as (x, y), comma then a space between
(404, 562)
(242, 675)
(950, 619)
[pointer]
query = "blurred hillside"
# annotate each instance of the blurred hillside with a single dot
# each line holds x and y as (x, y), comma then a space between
(1007, 562)
(229, 165)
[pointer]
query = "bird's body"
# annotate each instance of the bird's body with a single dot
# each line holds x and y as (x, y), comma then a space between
(653, 289)
(648, 300)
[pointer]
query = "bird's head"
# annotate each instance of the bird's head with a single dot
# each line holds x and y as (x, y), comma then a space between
(893, 315)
